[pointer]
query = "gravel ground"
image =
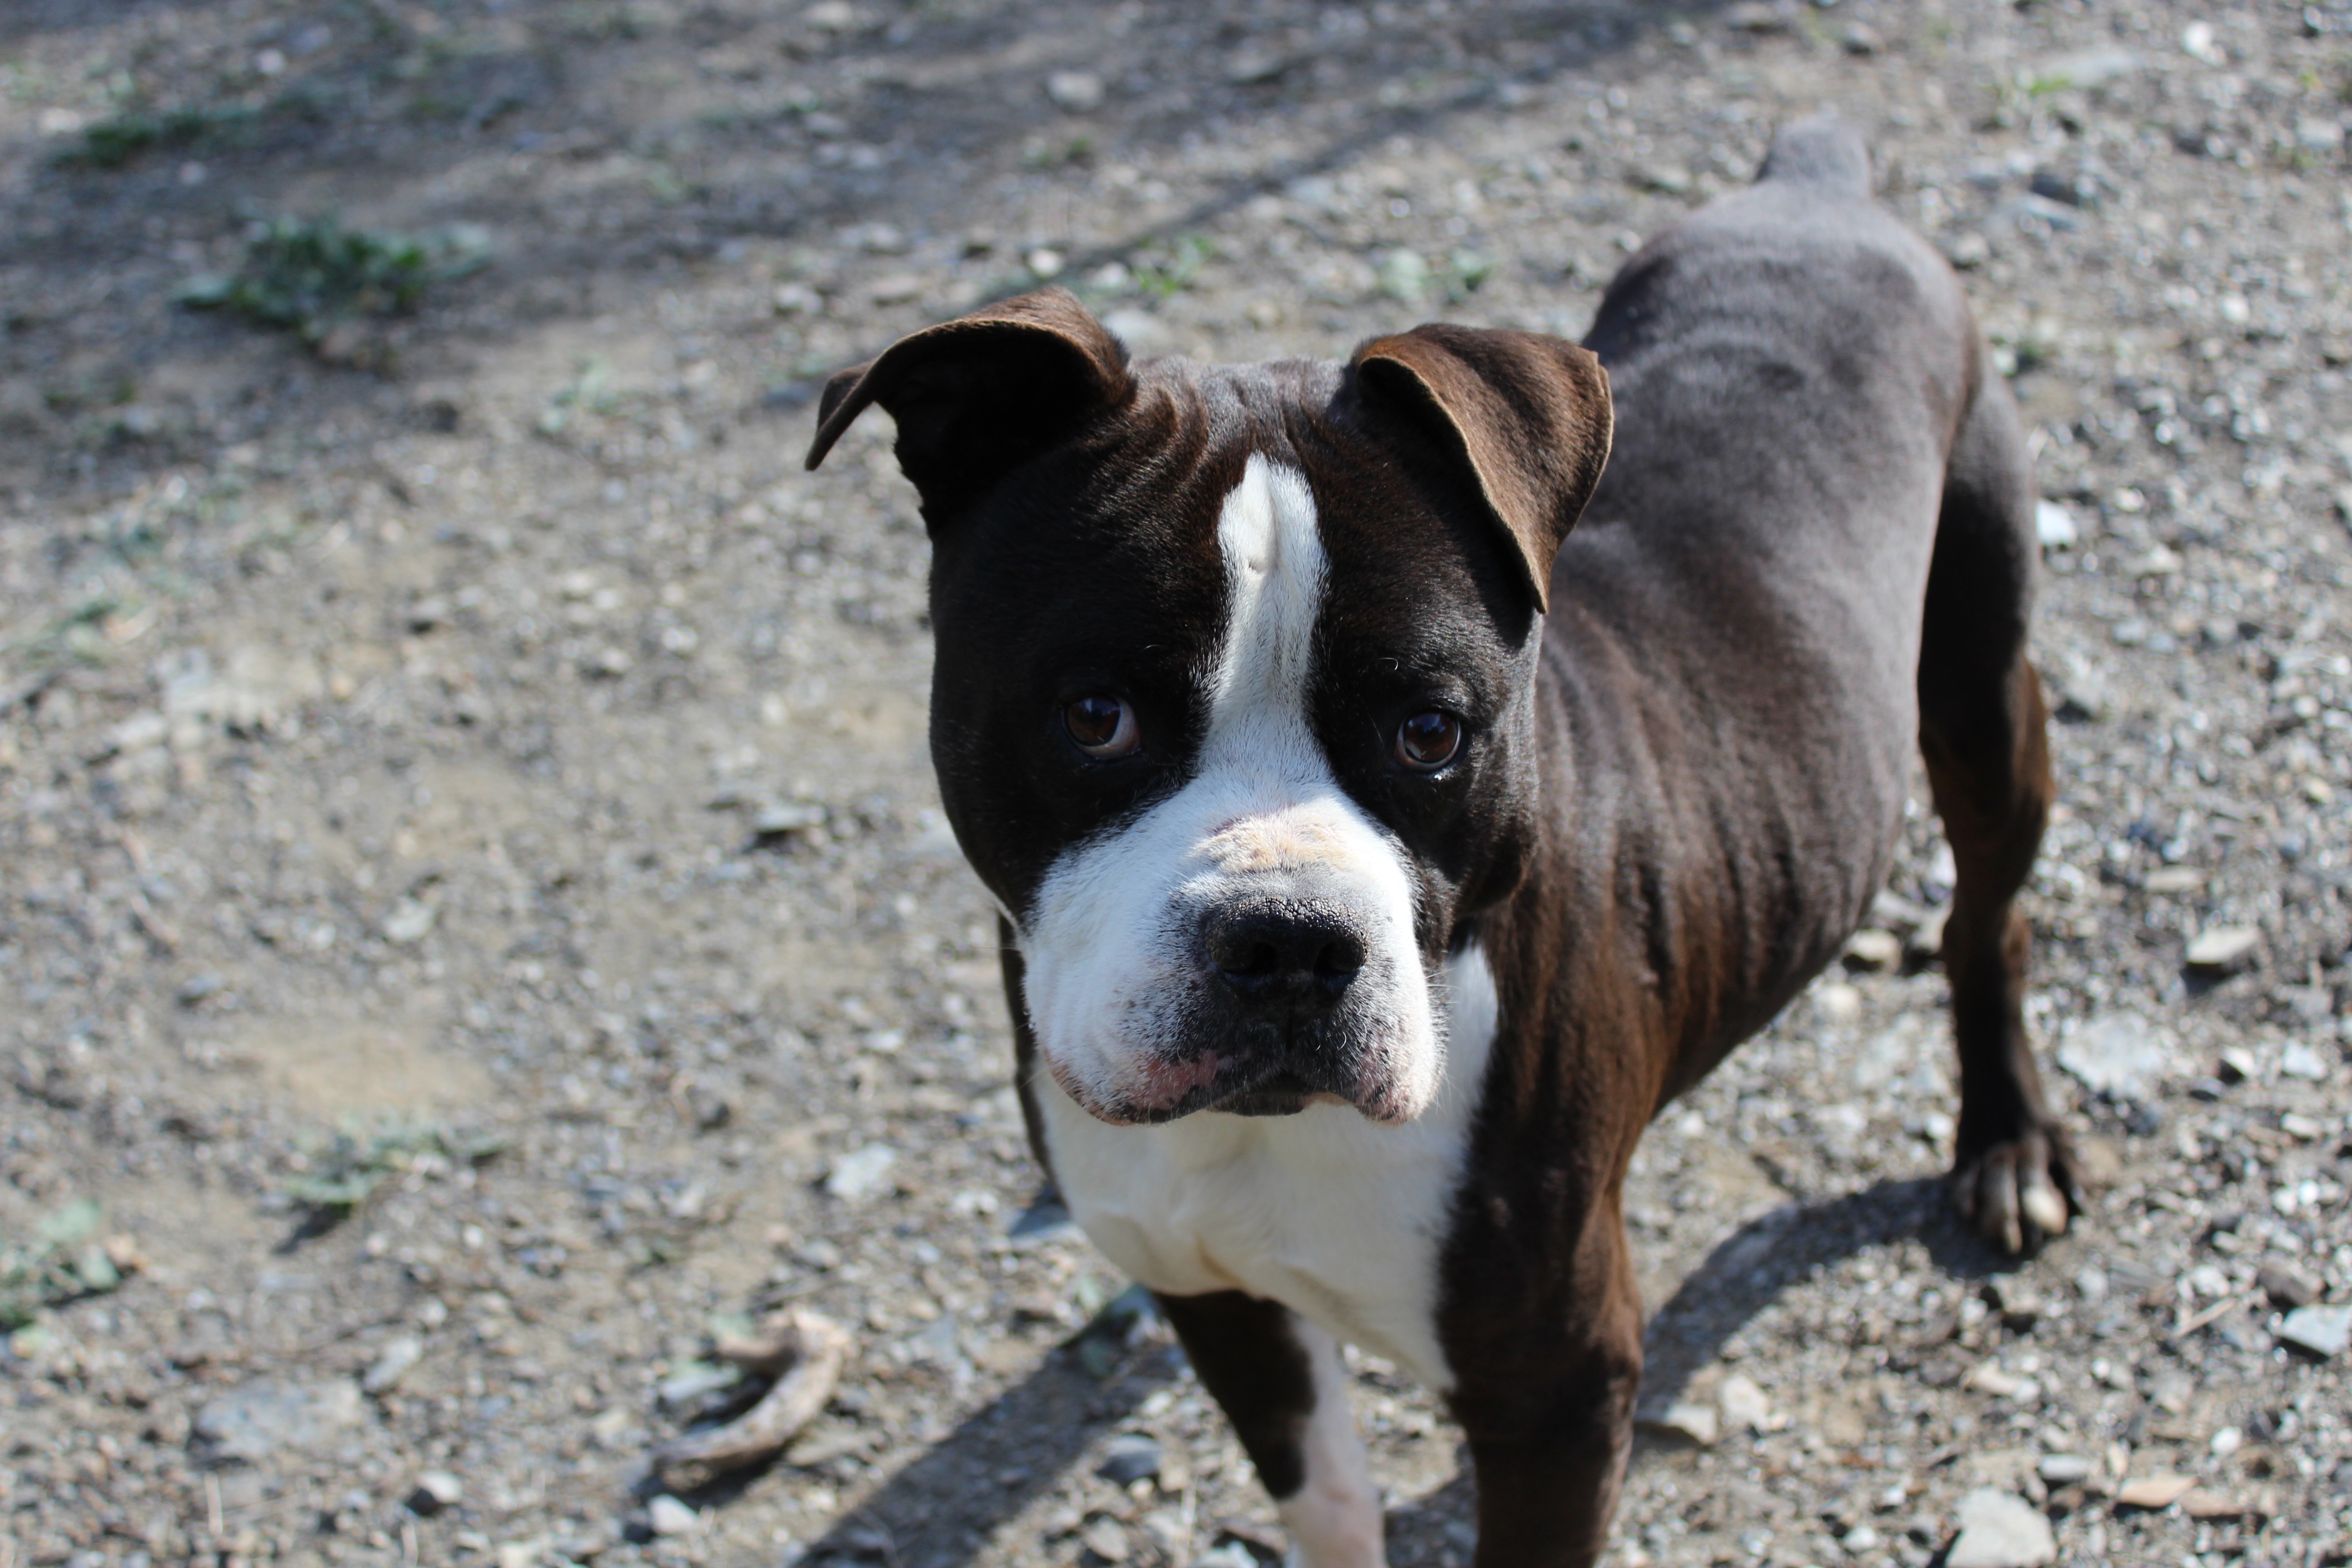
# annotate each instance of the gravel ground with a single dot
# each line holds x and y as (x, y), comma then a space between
(474, 918)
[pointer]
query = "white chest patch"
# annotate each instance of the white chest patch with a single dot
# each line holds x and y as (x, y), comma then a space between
(1336, 1217)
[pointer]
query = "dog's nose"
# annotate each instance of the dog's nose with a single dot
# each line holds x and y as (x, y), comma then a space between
(1293, 956)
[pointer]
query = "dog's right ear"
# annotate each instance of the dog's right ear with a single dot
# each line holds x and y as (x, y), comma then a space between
(976, 396)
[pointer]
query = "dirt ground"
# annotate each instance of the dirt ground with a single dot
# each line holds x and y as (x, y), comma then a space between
(474, 919)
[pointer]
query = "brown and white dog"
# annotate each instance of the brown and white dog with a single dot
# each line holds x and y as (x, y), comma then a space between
(1377, 859)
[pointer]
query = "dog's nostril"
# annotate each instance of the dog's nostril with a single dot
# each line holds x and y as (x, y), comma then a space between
(1286, 956)
(1342, 955)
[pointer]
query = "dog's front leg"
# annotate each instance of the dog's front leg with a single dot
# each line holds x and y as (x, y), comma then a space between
(1547, 1402)
(1285, 1389)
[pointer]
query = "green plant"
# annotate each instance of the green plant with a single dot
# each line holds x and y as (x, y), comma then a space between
(337, 1173)
(311, 274)
(1176, 269)
(114, 143)
(66, 1257)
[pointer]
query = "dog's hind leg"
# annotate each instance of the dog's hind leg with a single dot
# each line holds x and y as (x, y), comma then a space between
(1285, 1389)
(1982, 730)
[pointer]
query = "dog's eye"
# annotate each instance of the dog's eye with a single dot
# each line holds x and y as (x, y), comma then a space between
(1427, 742)
(1103, 727)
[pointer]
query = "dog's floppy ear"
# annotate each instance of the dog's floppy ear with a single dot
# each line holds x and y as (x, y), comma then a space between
(1527, 415)
(976, 395)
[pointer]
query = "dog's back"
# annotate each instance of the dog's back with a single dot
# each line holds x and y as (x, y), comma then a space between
(1740, 611)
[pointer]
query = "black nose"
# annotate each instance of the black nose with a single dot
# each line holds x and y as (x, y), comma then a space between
(1288, 955)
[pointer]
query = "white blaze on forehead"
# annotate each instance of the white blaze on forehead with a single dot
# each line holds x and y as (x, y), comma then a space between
(1274, 568)
(1114, 979)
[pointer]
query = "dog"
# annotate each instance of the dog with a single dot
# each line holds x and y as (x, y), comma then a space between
(1376, 858)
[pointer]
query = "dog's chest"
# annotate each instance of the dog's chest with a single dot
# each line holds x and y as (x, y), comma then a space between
(1337, 1218)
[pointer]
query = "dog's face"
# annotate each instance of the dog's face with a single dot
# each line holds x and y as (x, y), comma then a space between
(1232, 705)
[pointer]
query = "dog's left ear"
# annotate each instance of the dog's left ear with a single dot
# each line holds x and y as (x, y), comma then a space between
(979, 395)
(1528, 416)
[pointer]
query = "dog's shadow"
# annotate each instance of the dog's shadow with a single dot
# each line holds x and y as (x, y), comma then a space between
(1740, 1278)
(942, 1509)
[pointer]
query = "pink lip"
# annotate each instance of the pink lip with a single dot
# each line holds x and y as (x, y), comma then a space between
(1160, 1084)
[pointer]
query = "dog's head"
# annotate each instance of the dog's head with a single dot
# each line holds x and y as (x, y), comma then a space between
(1232, 705)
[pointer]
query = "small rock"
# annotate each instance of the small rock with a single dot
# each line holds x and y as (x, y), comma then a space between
(2299, 1060)
(2287, 1285)
(2221, 947)
(2198, 1502)
(1860, 39)
(1076, 92)
(2322, 1332)
(2157, 1492)
(1760, 18)
(688, 1383)
(256, 1420)
(1873, 949)
(1105, 1540)
(1686, 1418)
(1861, 1538)
(1743, 1403)
(797, 300)
(860, 1175)
(396, 1360)
(2089, 68)
(1666, 179)
(2239, 1066)
(2017, 1303)
(1968, 249)
(780, 821)
(434, 1490)
(1045, 262)
(2115, 1053)
(667, 1516)
(2174, 879)
(1999, 1529)
(2054, 525)
(897, 288)
(2063, 1470)
(1995, 1379)
(1254, 67)
(409, 922)
(1130, 1458)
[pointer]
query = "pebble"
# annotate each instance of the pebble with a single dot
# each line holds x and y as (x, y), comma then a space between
(1076, 92)
(1130, 1458)
(1687, 1418)
(2299, 1060)
(2115, 1053)
(2063, 1470)
(2323, 1331)
(2155, 1491)
(1105, 1540)
(860, 1175)
(667, 1516)
(398, 1357)
(1743, 1403)
(2000, 1530)
(2221, 947)
(434, 1490)
(2055, 526)
(1875, 950)
(408, 923)
(257, 1419)
(2287, 1285)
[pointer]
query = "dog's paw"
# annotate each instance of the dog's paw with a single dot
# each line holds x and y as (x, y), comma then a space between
(2020, 1194)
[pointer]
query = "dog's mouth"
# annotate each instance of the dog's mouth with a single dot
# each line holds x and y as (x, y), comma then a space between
(1238, 1087)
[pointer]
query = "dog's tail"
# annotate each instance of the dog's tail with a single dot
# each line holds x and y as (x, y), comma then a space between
(1823, 152)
